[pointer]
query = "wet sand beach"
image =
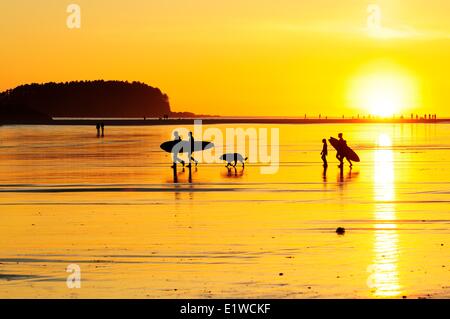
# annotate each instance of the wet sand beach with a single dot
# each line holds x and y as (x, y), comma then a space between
(111, 206)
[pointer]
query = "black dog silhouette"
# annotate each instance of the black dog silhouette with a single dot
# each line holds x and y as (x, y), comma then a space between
(233, 158)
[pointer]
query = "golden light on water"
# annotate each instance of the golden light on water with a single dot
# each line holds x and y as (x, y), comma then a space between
(384, 278)
(384, 90)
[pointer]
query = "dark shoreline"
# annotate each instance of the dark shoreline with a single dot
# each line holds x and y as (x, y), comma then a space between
(209, 121)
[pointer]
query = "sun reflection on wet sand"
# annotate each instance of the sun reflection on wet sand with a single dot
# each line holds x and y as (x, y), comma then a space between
(384, 279)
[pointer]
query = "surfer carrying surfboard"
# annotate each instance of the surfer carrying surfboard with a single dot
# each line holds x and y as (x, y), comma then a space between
(191, 150)
(340, 150)
(343, 151)
(179, 146)
(177, 138)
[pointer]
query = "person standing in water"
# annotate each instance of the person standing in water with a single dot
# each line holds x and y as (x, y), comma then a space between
(191, 149)
(324, 153)
(98, 129)
(103, 129)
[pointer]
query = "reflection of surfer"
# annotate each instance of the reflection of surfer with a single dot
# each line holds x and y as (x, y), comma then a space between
(176, 149)
(342, 151)
(191, 150)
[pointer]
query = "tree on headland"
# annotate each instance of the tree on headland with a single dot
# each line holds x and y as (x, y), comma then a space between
(104, 99)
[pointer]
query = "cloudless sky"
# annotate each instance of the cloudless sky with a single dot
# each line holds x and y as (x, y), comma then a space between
(239, 57)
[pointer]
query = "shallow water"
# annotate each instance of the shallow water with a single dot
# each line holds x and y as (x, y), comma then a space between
(111, 205)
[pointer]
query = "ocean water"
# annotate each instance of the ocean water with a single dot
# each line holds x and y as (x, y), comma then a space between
(113, 207)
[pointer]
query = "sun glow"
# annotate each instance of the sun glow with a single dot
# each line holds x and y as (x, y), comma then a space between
(384, 93)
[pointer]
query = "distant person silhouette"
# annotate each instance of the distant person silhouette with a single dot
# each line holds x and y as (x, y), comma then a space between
(103, 129)
(324, 153)
(176, 159)
(341, 154)
(98, 129)
(191, 150)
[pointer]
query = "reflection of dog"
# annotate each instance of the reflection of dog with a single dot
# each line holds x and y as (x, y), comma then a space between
(233, 158)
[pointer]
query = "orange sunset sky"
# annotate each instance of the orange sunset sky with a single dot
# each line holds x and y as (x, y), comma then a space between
(241, 57)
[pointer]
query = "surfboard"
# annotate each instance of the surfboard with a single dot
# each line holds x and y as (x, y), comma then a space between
(348, 152)
(183, 146)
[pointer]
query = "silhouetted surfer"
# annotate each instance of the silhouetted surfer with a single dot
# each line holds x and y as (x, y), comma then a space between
(324, 153)
(176, 159)
(191, 150)
(98, 129)
(341, 152)
(103, 129)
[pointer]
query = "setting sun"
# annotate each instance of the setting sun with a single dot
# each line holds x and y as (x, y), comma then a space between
(384, 92)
